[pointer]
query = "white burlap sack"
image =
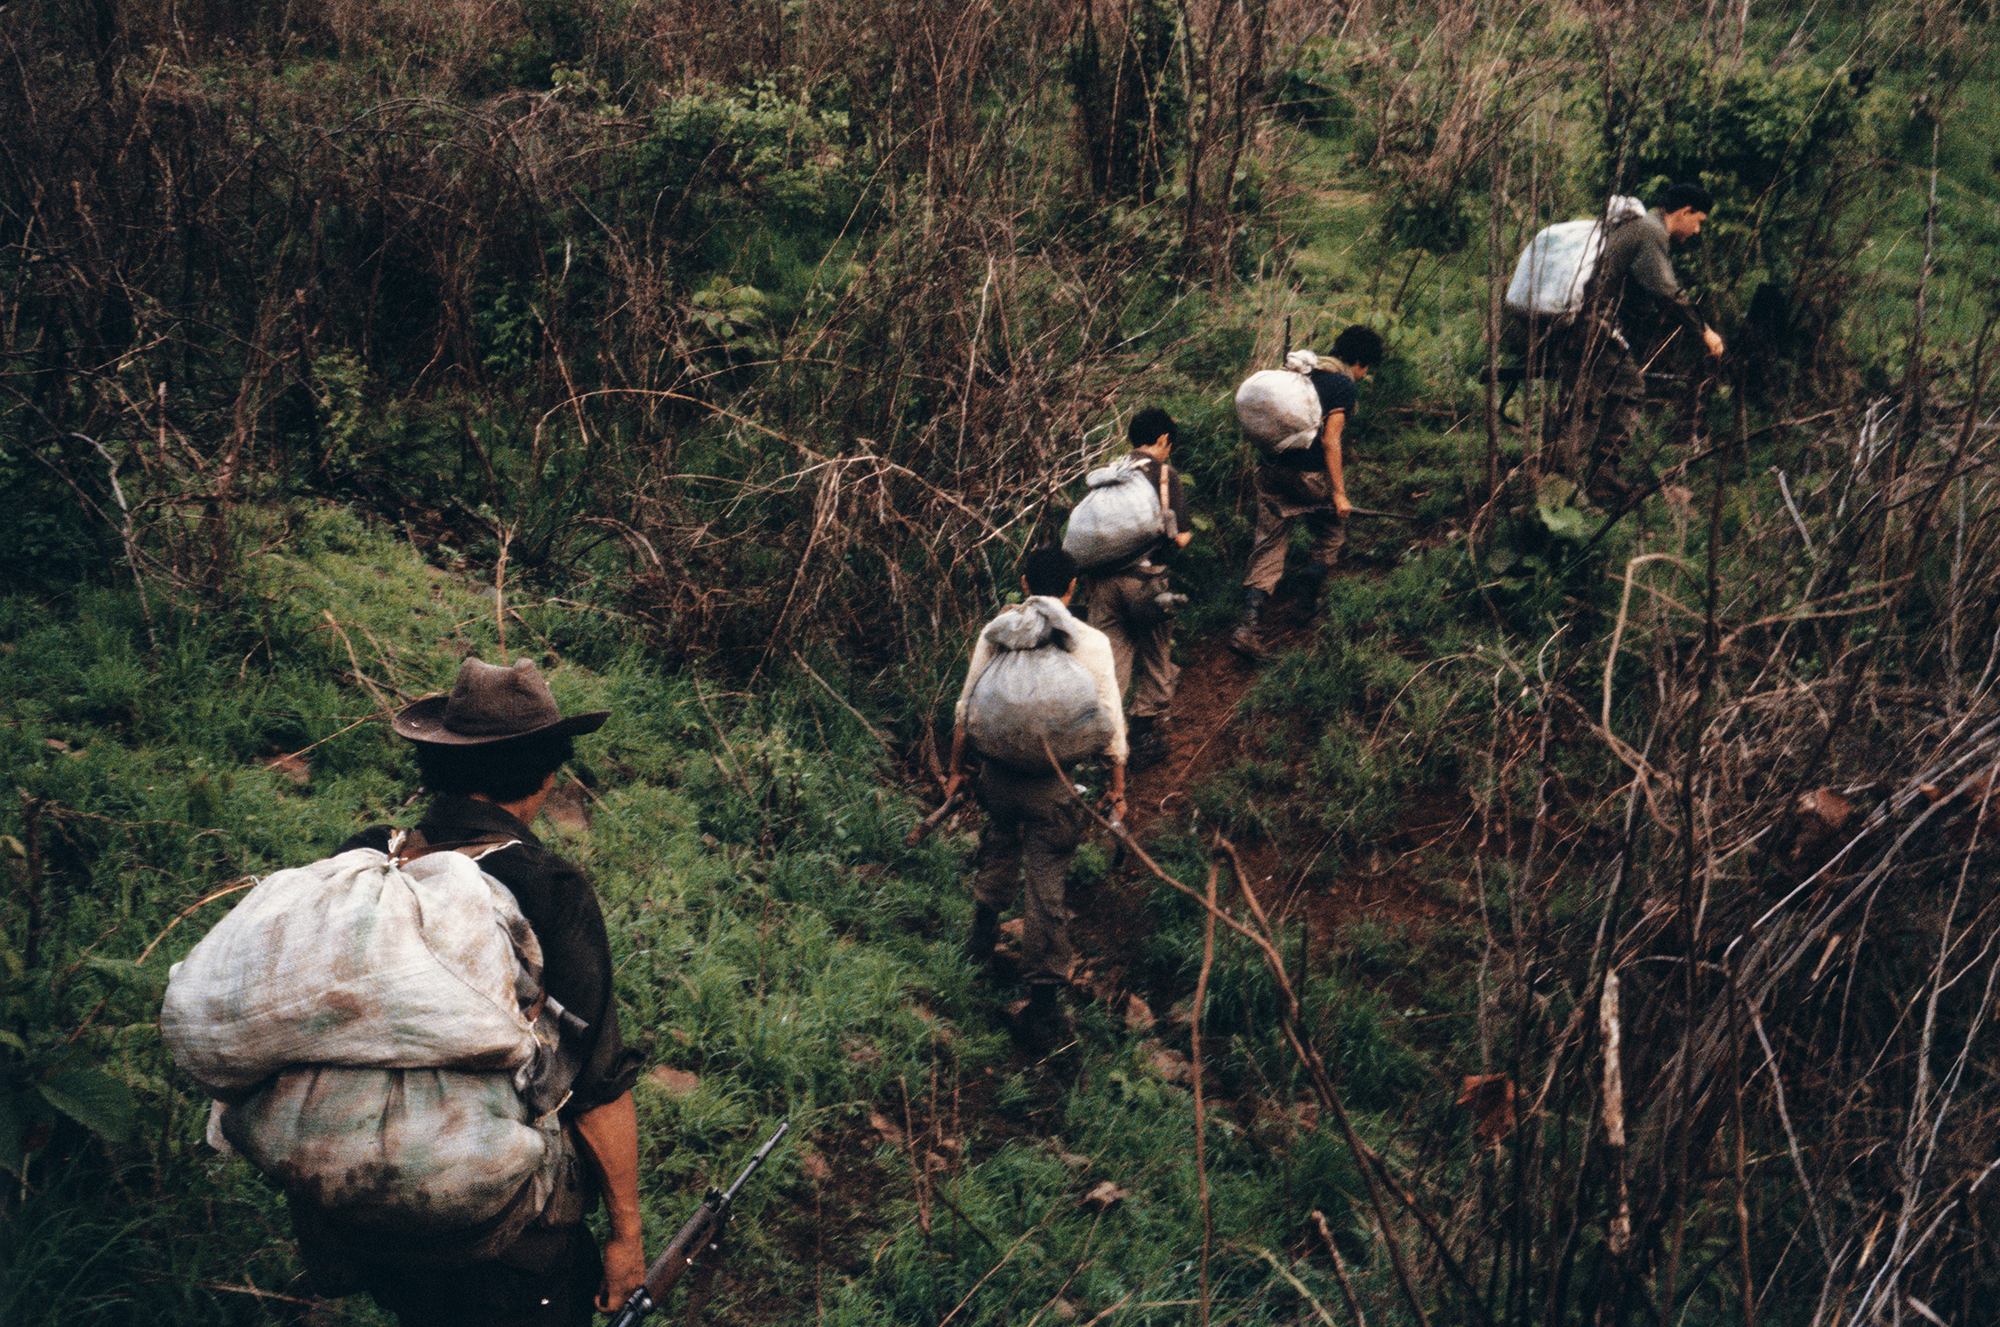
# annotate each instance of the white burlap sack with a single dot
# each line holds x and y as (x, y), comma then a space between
(1119, 518)
(414, 1152)
(1552, 272)
(354, 960)
(1034, 693)
(1279, 408)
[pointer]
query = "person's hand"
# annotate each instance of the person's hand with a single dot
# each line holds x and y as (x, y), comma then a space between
(624, 1271)
(1341, 505)
(1712, 339)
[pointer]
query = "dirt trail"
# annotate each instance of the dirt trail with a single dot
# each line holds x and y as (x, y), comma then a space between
(1208, 734)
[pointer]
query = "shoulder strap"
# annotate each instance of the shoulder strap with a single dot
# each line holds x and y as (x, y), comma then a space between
(405, 846)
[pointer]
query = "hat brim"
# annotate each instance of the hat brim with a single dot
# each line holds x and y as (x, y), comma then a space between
(423, 721)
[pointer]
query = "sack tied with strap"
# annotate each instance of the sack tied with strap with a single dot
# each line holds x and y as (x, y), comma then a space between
(1035, 699)
(375, 1035)
(1119, 518)
(1552, 273)
(1279, 408)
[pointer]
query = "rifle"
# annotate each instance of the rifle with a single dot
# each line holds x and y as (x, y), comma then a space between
(931, 821)
(701, 1235)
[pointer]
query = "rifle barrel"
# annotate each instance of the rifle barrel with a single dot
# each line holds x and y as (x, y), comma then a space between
(695, 1234)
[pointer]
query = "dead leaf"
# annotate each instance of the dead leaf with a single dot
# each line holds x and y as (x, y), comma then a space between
(1073, 1161)
(884, 1126)
(1012, 929)
(862, 1052)
(934, 1162)
(1677, 495)
(1169, 1064)
(1062, 1308)
(568, 807)
(291, 767)
(814, 1166)
(1490, 1097)
(1138, 1014)
(1827, 807)
(1105, 1196)
(676, 1082)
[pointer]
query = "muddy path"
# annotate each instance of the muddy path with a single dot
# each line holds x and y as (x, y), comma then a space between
(1394, 882)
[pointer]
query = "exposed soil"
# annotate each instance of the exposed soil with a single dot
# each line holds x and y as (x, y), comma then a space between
(1207, 734)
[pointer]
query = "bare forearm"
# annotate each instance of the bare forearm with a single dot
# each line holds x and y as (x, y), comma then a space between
(610, 1135)
(610, 1138)
(1336, 474)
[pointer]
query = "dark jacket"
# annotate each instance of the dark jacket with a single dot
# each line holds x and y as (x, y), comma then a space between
(1633, 285)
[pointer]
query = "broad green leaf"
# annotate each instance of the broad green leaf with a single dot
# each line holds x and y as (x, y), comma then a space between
(17, 1114)
(94, 1099)
(1564, 522)
(148, 980)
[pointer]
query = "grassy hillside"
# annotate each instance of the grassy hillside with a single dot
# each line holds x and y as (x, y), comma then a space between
(725, 364)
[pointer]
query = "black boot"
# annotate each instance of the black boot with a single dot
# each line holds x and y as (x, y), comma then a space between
(1315, 579)
(985, 934)
(1043, 1024)
(1148, 743)
(1247, 640)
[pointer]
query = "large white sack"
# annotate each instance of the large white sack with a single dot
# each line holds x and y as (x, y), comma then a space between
(354, 960)
(1279, 408)
(1119, 518)
(411, 1152)
(1035, 692)
(1552, 272)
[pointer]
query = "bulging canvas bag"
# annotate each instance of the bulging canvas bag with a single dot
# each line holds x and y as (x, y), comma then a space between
(1119, 518)
(435, 1164)
(374, 1032)
(1279, 408)
(1035, 699)
(357, 960)
(1552, 272)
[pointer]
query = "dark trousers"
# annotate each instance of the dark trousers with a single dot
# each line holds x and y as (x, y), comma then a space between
(1123, 607)
(1603, 394)
(548, 1279)
(1033, 824)
(1284, 495)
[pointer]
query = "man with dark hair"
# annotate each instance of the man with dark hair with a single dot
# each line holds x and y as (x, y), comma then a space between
(1603, 354)
(1034, 820)
(488, 753)
(1309, 482)
(1134, 606)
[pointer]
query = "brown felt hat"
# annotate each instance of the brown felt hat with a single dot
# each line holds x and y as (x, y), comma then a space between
(489, 703)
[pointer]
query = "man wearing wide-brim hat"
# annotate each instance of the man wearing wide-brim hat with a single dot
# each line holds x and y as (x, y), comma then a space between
(488, 753)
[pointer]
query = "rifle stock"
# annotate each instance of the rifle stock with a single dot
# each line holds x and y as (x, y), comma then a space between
(701, 1234)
